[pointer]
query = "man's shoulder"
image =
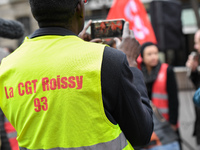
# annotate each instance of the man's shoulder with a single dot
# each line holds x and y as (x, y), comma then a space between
(112, 65)
(113, 56)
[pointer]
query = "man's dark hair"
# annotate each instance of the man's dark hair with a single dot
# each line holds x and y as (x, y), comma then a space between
(50, 13)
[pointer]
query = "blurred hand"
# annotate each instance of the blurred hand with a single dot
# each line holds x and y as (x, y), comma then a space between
(129, 45)
(192, 63)
(85, 36)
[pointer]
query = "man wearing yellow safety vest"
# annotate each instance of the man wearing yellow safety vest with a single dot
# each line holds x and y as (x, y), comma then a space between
(62, 93)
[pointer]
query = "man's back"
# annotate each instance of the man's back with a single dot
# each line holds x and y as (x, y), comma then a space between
(56, 84)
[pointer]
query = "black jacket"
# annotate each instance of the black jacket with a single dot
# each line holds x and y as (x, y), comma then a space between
(195, 77)
(124, 93)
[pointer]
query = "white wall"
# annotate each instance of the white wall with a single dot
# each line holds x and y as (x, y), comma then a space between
(3, 2)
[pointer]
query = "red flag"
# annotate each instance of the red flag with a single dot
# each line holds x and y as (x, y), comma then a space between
(134, 12)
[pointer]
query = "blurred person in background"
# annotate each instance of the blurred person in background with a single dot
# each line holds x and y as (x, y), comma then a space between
(4, 138)
(192, 63)
(7, 132)
(161, 85)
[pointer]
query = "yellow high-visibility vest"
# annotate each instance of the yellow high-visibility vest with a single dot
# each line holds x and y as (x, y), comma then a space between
(50, 91)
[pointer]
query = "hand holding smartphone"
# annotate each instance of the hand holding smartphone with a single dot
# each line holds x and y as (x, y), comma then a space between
(107, 28)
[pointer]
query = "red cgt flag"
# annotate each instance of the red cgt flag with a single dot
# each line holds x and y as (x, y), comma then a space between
(134, 12)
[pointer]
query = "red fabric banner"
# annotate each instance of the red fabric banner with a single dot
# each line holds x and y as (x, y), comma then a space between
(134, 12)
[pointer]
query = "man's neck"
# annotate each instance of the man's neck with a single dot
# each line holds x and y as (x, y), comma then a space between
(51, 31)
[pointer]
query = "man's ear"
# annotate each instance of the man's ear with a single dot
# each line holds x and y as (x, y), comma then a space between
(79, 9)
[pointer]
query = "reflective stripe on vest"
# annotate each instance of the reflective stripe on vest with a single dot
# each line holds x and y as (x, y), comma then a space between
(159, 92)
(11, 134)
(160, 96)
(112, 145)
(61, 94)
(10, 130)
(163, 110)
(160, 101)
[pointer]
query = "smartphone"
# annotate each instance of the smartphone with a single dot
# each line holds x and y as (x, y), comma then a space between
(107, 28)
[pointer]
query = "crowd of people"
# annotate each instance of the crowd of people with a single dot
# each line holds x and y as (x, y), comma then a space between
(74, 92)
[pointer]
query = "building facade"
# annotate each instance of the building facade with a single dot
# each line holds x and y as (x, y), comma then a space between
(95, 9)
